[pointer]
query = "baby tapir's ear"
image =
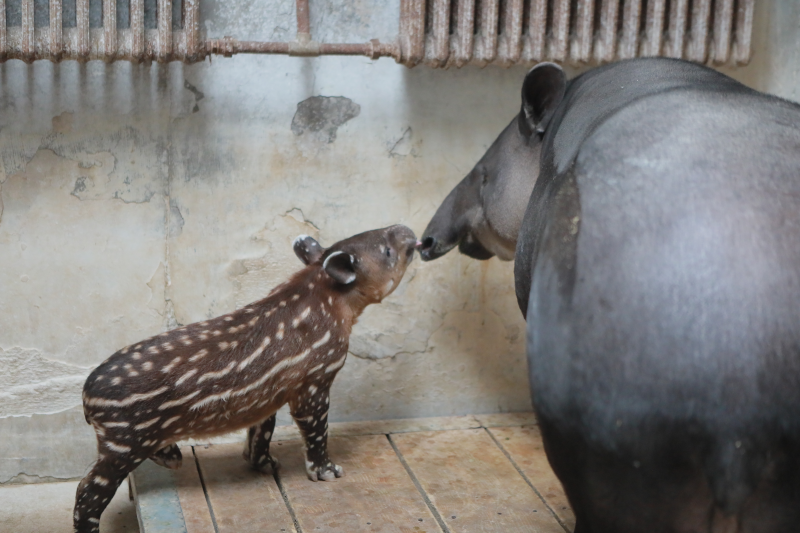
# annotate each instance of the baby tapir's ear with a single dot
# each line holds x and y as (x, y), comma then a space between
(339, 266)
(307, 249)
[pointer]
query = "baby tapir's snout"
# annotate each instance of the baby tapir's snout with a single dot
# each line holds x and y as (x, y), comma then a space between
(237, 370)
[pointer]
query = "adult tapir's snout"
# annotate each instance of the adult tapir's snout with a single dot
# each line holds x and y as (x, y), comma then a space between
(454, 224)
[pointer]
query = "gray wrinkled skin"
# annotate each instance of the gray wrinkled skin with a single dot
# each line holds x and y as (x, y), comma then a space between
(658, 265)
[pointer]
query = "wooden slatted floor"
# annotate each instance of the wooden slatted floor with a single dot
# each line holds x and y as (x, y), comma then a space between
(454, 475)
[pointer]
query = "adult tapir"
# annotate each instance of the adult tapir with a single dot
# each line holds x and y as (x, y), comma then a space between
(652, 207)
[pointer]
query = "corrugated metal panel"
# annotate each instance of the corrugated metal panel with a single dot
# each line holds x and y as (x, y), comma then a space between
(438, 33)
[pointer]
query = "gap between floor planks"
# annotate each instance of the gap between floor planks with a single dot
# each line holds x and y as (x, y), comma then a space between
(408, 465)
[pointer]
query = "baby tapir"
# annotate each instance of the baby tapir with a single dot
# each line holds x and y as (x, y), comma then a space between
(237, 370)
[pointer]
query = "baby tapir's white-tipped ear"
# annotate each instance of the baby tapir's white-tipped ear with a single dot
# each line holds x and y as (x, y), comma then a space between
(307, 249)
(339, 266)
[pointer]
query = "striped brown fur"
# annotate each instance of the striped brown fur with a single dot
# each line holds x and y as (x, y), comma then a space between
(235, 371)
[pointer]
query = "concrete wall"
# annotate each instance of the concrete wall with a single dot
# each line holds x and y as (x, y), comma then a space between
(134, 199)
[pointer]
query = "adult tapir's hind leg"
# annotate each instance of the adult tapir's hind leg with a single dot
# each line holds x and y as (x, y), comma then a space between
(256, 448)
(98, 487)
(168, 457)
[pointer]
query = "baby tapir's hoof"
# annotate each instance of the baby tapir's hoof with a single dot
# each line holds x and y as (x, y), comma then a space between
(326, 472)
(168, 457)
(263, 463)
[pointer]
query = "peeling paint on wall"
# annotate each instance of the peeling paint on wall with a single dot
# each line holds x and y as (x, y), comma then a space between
(321, 116)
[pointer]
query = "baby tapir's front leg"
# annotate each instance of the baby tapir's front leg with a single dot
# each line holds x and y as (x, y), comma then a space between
(256, 449)
(310, 412)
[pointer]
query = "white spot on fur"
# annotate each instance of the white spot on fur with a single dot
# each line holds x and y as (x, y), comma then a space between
(136, 356)
(186, 376)
(171, 365)
(216, 375)
(115, 447)
(116, 381)
(130, 400)
(223, 345)
(153, 349)
(336, 366)
(199, 355)
(167, 346)
(258, 351)
(223, 396)
(147, 424)
(116, 424)
(170, 421)
(279, 334)
(325, 338)
(295, 297)
(147, 365)
(312, 389)
(179, 401)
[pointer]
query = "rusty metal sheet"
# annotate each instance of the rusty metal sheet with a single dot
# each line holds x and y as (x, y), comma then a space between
(654, 28)
(196, 515)
(676, 33)
(242, 500)
(629, 41)
(743, 32)
(606, 46)
(3, 34)
(472, 484)
(535, 39)
(723, 27)
(509, 47)
(28, 41)
(191, 27)
(463, 40)
(109, 29)
(164, 47)
(581, 48)
(375, 493)
(56, 36)
(524, 446)
(486, 43)
(137, 30)
(560, 30)
(697, 48)
(84, 43)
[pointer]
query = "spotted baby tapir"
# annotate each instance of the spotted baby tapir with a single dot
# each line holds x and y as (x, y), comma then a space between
(237, 370)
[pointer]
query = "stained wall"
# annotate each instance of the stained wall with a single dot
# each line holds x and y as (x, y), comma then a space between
(136, 198)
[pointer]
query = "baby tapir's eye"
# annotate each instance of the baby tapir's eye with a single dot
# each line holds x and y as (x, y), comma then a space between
(388, 252)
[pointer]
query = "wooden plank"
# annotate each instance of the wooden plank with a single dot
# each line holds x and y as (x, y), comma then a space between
(524, 445)
(506, 420)
(472, 483)
(380, 427)
(242, 500)
(192, 498)
(157, 504)
(375, 493)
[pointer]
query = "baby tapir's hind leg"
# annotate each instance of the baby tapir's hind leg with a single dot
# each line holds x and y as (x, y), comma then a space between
(310, 413)
(256, 448)
(98, 487)
(168, 457)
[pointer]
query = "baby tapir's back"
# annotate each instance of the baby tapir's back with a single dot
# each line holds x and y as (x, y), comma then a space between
(215, 376)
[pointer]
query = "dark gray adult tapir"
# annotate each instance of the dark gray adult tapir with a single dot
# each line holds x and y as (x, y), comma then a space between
(653, 210)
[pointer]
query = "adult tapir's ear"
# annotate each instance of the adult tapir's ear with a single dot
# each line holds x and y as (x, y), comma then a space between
(339, 266)
(307, 249)
(542, 91)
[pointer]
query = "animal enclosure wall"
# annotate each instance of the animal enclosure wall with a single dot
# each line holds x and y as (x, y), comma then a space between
(134, 198)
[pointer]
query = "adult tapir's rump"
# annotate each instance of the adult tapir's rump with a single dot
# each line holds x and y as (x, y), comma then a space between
(658, 261)
(664, 315)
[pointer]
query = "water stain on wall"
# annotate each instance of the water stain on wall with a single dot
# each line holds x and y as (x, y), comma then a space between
(322, 116)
